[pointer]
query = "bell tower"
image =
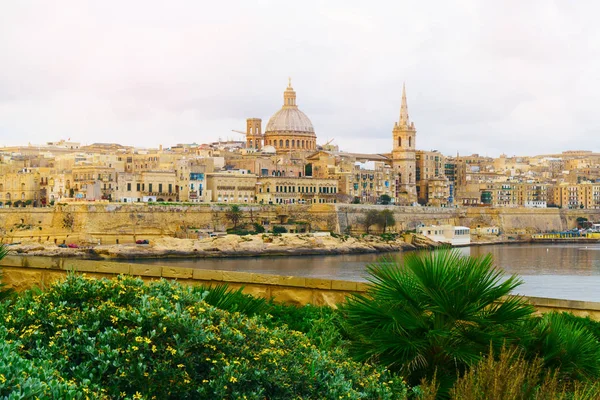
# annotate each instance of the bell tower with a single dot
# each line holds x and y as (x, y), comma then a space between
(403, 156)
(254, 133)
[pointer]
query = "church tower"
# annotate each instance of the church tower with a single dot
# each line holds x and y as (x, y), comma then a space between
(403, 156)
(254, 136)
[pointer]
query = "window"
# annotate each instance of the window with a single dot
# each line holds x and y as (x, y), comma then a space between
(399, 142)
(138, 187)
(171, 187)
(160, 187)
(149, 187)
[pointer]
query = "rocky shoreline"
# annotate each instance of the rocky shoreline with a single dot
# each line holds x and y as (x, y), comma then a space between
(227, 246)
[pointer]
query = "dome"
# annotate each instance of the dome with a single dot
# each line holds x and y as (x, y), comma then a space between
(290, 120)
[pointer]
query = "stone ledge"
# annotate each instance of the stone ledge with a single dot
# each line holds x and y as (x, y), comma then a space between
(562, 303)
(177, 272)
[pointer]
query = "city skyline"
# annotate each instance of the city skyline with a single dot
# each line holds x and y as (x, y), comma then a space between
(488, 79)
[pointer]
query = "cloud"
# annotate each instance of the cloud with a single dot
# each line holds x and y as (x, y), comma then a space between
(489, 78)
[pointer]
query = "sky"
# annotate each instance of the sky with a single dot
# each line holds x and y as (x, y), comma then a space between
(512, 77)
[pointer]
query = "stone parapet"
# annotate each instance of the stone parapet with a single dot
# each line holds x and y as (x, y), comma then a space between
(19, 274)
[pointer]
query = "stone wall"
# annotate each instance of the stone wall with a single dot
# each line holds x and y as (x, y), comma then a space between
(19, 275)
(107, 223)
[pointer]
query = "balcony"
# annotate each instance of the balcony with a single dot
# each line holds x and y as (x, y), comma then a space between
(159, 194)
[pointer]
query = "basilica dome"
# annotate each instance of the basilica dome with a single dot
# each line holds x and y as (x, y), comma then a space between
(289, 120)
(289, 128)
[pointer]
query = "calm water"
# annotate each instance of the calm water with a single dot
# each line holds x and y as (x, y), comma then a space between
(556, 271)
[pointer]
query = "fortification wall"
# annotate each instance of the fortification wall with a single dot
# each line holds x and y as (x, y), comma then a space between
(110, 222)
(19, 274)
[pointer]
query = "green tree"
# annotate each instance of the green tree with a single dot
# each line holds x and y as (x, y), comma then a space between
(234, 214)
(439, 311)
(386, 219)
(371, 217)
(278, 229)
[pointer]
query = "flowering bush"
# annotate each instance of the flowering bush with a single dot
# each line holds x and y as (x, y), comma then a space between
(123, 338)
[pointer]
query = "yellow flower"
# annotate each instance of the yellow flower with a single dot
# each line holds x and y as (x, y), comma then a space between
(2, 378)
(233, 379)
(180, 365)
(135, 348)
(137, 396)
(139, 339)
(153, 348)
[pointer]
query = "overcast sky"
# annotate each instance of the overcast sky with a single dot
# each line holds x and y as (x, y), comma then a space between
(514, 77)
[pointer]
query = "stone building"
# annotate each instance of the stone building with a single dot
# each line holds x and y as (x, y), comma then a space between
(403, 156)
(231, 187)
(296, 190)
(20, 188)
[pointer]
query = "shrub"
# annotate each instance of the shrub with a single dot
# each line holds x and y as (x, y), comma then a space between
(565, 344)
(512, 377)
(278, 229)
(437, 312)
(21, 378)
(258, 228)
(164, 340)
(321, 324)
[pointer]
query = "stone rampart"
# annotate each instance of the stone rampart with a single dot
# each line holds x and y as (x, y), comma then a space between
(111, 223)
(20, 275)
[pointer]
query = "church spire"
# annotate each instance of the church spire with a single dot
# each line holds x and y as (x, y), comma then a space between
(404, 121)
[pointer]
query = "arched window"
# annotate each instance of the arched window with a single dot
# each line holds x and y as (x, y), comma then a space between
(409, 141)
(399, 142)
(250, 143)
(303, 144)
(399, 178)
(280, 143)
(293, 143)
(287, 143)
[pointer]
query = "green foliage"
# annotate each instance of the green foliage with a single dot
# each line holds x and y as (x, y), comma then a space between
(234, 214)
(386, 218)
(385, 199)
(5, 292)
(163, 339)
(223, 298)
(321, 324)
(565, 344)
(258, 228)
(438, 312)
(510, 376)
(278, 229)
(371, 217)
(21, 378)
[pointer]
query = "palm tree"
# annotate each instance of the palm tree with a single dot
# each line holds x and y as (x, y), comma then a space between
(4, 292)
(234, 214)
(434, 315)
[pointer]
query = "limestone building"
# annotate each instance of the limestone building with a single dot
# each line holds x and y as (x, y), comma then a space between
(403, 156)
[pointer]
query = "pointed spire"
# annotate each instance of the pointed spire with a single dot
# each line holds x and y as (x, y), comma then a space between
(289, 82)
(404, 109)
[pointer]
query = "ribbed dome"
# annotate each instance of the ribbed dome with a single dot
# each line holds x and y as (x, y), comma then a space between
(289, 119)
